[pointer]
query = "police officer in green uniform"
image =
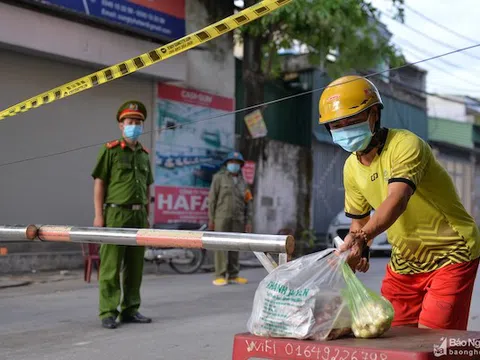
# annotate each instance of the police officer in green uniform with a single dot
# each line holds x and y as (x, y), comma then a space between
(229, 210)
(122, 177)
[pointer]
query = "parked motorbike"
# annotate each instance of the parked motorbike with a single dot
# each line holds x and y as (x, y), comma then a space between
(182, 261)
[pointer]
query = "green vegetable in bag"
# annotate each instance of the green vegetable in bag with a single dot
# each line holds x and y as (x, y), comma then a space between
(372, 314)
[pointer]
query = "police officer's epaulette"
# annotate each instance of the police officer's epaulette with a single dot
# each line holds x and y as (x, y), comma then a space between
(145, 149)
(112, 144)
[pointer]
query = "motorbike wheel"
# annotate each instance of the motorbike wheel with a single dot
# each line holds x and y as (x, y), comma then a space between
(193, 262)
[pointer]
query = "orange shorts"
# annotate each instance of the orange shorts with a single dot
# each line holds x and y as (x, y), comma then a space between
(438, 299)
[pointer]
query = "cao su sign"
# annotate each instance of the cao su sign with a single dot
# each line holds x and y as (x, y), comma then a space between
(189, 150)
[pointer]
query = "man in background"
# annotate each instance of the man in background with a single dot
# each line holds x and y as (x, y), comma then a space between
(229, 210)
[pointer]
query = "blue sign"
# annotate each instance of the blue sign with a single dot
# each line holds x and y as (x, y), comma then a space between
(162, 17)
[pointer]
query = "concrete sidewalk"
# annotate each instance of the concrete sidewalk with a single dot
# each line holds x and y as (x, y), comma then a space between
(10, 281)
(247, 260)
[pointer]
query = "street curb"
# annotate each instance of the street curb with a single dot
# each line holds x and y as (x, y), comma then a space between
(15, 284)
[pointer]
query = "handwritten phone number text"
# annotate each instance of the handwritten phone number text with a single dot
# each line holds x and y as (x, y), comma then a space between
(313, 352)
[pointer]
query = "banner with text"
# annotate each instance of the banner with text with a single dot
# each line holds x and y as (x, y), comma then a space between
(248, 171)
(165, 18)
(194, 132)
(255, 124)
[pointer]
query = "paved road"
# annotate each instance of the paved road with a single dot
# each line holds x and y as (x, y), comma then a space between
(192, 319)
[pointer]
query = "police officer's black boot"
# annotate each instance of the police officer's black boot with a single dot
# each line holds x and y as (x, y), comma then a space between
(136, 318)
(109, 323)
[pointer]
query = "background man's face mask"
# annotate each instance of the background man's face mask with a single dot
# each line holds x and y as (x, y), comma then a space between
(353, 138)
(233, 167)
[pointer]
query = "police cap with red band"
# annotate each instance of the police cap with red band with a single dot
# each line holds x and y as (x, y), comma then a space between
(132, 109)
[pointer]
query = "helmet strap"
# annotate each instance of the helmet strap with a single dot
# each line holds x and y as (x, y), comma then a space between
(378, 138)
(378, 141)
(328, 129)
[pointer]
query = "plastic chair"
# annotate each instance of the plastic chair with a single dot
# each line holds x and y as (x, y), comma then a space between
(90, 257)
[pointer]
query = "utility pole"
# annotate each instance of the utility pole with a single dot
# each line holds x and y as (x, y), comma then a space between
(254, 82)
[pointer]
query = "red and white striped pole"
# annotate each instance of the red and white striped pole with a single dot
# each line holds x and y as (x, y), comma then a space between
(282, 244)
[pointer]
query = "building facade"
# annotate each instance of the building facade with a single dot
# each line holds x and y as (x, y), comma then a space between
(453, 134)
(47, 154)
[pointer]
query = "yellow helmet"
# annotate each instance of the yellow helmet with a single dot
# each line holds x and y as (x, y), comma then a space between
(347, 96)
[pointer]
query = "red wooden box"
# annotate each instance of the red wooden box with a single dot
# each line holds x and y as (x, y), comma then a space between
(399, 343)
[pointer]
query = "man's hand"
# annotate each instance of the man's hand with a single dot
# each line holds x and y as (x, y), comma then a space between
(248, 228)
(99, 221)
(354, 259)
(211, 226)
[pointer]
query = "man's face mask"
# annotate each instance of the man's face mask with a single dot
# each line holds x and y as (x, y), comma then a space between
(132, 131)
(233, 167)
(353, 138)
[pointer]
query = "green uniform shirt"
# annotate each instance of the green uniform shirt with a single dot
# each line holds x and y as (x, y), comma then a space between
(228, 200)
(126, 173)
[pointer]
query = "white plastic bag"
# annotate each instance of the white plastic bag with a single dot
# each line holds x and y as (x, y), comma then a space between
(302, 299)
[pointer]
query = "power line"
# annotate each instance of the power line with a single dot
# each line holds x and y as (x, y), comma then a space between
(322, 88)
(253, 106)
(441, 69)
(462, 91)
(426, 53)
(423, 92)
(438, 24)
(429, 37)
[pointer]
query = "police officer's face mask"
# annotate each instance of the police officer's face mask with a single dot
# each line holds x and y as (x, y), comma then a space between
(132, 132)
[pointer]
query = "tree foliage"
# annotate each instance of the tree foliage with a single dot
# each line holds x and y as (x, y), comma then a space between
(348, 29)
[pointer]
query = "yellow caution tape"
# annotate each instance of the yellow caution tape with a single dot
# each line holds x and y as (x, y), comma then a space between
(147, 59)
